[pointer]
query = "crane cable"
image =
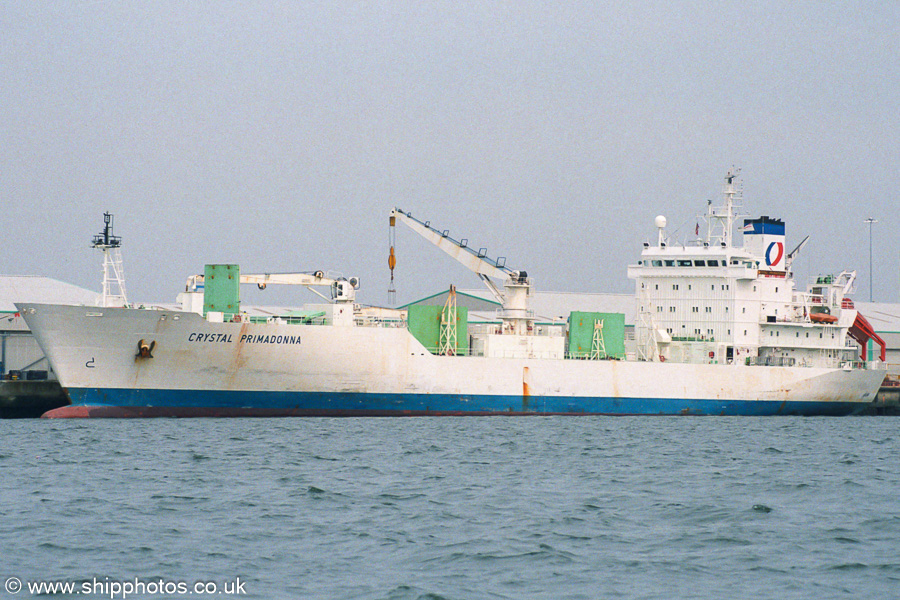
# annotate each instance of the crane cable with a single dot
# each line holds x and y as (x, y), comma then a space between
(392, 259)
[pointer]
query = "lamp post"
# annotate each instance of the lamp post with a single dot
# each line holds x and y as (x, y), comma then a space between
(871, 222)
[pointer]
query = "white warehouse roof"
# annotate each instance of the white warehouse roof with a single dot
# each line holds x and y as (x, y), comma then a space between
(32, 288)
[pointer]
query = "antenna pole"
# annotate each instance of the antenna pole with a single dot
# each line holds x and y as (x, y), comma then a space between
(871, 222)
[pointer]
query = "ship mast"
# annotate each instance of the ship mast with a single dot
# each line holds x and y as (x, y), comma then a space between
(113, 270)
(720, 219)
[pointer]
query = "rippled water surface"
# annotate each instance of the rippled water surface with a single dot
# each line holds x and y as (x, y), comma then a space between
(540, 507)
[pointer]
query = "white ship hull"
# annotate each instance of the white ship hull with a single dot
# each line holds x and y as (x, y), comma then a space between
(204, 368)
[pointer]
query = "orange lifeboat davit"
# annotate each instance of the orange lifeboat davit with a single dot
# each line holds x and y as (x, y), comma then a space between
(862, 331)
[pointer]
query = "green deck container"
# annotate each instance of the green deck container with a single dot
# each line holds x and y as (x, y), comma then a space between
(581, 334)
(425, 325)
(222, 289)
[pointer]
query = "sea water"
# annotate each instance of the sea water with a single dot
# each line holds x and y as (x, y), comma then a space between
(461, 508)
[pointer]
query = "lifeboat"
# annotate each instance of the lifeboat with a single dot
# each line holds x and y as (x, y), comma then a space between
(822, 318)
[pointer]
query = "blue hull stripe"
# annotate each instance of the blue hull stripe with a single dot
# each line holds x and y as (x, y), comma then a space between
(144, 402)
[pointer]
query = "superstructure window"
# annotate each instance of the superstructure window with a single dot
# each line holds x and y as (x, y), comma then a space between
(670, 263)
(699, 263)
(684, 263)
(712, 263)
(657, 263)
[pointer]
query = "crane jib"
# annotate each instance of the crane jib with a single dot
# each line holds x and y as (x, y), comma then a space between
(475, 260)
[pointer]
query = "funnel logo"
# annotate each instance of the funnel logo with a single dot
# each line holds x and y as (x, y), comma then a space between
(774, 254)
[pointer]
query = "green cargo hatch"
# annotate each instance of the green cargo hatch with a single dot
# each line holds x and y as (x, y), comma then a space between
(610, 342)
(221, 289)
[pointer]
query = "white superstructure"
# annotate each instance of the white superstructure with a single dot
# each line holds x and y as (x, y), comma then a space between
(713, 301)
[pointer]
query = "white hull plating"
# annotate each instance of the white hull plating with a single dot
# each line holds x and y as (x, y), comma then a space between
(360, 370)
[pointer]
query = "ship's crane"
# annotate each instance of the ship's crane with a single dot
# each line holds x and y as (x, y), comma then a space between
(342, 290)
(516, 286)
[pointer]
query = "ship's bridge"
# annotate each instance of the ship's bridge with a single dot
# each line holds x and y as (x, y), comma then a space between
(694, 261)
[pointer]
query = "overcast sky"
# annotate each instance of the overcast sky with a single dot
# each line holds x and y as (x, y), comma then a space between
(278, 135)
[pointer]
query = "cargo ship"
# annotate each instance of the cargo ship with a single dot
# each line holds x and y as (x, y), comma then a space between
(720, 330)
